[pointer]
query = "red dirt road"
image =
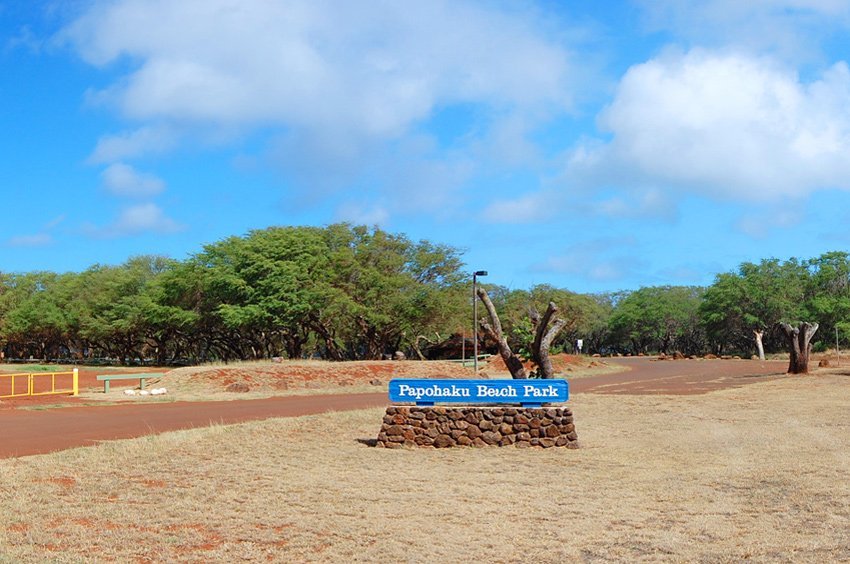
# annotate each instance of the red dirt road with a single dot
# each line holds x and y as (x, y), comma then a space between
(679, 377)
(27, 432)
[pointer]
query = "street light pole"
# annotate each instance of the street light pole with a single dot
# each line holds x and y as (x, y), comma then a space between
(475, 276)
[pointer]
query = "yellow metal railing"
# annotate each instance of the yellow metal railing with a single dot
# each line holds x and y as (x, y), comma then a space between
(10, 384)
(9, 387)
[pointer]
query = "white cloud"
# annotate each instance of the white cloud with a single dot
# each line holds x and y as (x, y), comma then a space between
(24, 39)
(358, 214)
(332, 84)
(794, 29)
(123, 180)
(510, 143)
(648, 203)
(525, 209)
(41, 239)
(598, 260)
(136, 220)
(37, 240)
(760, 224)
(142, 141)
(728, 126)
(589, 268)
(415, 179)
(689, 274)
(375, 67)
(55, 222)
(406, 176)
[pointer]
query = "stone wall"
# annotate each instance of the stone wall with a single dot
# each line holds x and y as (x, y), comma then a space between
(442, 427)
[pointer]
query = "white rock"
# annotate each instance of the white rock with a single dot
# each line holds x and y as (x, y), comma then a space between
(144, 392)
(130, 392)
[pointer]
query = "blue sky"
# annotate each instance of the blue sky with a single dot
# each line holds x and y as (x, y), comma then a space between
(594, 146)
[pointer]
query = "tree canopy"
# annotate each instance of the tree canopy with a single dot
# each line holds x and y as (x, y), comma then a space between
(346, 292)
(340, 292)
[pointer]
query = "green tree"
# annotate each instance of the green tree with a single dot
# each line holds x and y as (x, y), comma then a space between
(341, 291)
(112, 307)
(828, 292)
(663, 318)
(744, 308)
(387, 289)
(34, 321)
(586, 316)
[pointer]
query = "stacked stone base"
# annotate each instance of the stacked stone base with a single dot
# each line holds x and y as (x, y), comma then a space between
(442, 427)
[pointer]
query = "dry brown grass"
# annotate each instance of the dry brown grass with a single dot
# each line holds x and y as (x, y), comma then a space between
(268, 379)
(757, 473)
(307, 377)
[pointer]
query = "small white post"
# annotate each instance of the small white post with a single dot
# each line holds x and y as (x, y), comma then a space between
(837, 349)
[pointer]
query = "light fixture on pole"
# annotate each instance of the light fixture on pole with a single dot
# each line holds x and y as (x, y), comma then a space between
(475, 276)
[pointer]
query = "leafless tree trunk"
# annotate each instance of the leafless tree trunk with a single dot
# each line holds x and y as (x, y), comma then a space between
(416, 346)
(512, 361)
(333, 350)
(427, 340)
(543, 337)
(799, 343)
(759, 333)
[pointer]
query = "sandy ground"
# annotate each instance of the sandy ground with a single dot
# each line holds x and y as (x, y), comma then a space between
(757, 472)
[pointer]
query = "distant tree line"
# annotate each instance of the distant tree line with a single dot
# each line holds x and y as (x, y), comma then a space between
(346, 292)
(339, 292)
(739, 311)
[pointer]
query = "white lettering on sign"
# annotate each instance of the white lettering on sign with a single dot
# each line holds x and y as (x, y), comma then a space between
(485, 391)
(434, 391)
(548, 392)
(481, 391)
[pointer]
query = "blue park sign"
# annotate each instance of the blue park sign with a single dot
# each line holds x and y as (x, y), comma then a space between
(531, 393)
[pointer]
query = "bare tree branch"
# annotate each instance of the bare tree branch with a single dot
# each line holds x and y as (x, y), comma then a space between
(543, 338)
(511, 360)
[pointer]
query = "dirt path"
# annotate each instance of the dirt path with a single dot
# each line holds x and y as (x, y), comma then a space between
(26, 432)
(679, 377)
